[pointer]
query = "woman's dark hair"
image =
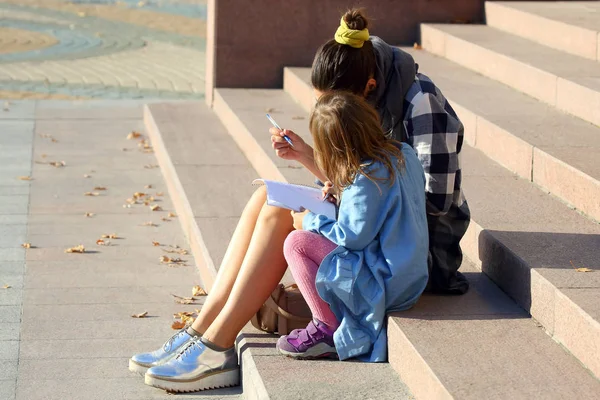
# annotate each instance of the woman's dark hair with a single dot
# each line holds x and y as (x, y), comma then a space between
(342, 67)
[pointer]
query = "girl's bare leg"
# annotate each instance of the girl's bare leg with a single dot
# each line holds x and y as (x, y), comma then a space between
(230, 266)
(261, 270)
(253, 217)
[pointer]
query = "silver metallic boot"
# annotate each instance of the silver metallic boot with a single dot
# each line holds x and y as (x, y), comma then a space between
(141, 362)
(196, 368)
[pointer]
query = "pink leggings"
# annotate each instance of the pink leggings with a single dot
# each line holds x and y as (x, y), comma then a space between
(304, 252)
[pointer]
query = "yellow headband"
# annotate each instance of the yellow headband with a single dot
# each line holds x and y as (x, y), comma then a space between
(351, 37)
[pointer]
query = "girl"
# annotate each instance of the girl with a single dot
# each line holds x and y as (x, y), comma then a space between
(373, 259)
(254, 262)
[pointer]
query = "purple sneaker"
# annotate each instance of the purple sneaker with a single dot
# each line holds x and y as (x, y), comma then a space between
(315, 341)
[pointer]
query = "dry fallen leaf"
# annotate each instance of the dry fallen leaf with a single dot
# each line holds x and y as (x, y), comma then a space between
(165, 219)
(155, 207)
(125, 149)
(44, 155)
(148, 187)
(134, 135)
(6, 287)
(183, 300)
(99, 188)
(89, 214)
(138, 195)
(150, 166)
(76, 249)
(198, 291)
(149, 223)
(160, 194)
(111, 236)
(101, 242)
(155, 244)
(177, 325)
(297, 117)
(582, 269)
(141, 315)
(87, 176)
(269, 110)
(417, 46)
(171, 215)
(25, 178)
(57, 164)
(6, 106)
(81, 14)
(91, 194)
(26, 245)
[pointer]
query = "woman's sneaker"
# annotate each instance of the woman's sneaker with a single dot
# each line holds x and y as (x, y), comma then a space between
(141, 362)
(315, 341)
(196, 367)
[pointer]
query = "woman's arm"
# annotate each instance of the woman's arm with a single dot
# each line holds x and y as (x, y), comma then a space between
(301, 151)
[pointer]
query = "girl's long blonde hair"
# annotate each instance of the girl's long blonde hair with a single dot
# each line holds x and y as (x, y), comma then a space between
(348, 138)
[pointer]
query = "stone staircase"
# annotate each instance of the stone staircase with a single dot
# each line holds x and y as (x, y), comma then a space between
(527, 88)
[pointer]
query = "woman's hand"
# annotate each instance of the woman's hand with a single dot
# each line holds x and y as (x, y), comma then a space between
(283, 149)
(298, 218)
(329, 192)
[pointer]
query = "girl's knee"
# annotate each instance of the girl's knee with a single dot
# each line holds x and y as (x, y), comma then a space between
(297, 242)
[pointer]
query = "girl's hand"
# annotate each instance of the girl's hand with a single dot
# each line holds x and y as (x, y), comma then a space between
(298, 218)
(282, 147)
(329, 191)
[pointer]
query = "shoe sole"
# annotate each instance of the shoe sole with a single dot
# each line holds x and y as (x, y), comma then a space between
(137, 368)
(213, 381)
(319, 351)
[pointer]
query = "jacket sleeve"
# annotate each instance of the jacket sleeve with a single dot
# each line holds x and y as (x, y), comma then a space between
(434, 134)
(361, 214)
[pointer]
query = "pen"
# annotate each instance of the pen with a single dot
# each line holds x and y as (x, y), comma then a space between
(287, 139)
(328, 195)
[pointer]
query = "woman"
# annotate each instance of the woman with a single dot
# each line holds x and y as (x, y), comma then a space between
(412, 109)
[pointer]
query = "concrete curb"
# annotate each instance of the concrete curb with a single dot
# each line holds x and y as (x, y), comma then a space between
(204, 262)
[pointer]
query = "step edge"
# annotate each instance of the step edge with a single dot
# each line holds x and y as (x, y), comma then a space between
(203, 260)
(551, 79)
(253, 386)
(411, 367)
(247, 143)
(508, 25)
(540, 308)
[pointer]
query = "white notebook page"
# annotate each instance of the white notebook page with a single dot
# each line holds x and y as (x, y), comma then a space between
(297, 198)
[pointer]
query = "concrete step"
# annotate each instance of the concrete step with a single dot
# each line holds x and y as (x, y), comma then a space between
(567, 82)
(203, 166)
(500, 262)
(481, 346)
(549, 147)
(572, 27)
(526, 241)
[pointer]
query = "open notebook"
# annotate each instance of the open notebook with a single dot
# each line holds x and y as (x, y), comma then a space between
(296, 197)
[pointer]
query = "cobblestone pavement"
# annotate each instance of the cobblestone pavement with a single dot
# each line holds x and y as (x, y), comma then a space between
(107, 49)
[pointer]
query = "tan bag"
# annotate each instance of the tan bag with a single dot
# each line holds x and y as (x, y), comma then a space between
(284, 311)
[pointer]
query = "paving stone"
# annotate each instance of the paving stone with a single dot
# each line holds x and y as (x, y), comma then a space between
(7, 189)
(16, 204)
(105, 389)
(11, 296)
(161, 308)
(95, 368)
(8, 389)
(10, 314)
(9, 349)
(12, 268)
(10, 330)
(88, 348)
(143, 294)
(9, 371)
